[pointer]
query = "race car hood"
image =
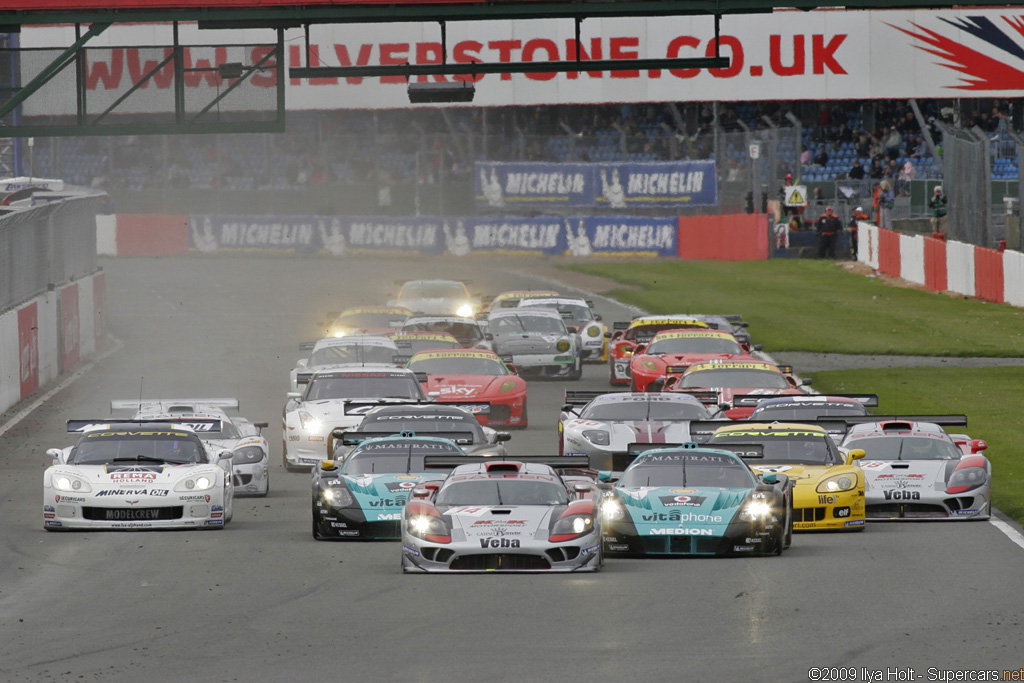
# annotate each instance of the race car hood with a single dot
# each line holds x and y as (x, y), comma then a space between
(382, 494)
(474, 524)
(691, 358)
(431, 306)
(923, 475)
(801, 475)
(452, 387)
(662, 506)
(334, 413)
(526, 342)
(131, 476)
(653, 431)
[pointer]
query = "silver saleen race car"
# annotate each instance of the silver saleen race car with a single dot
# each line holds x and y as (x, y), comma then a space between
(537, 340)
(339, 396)
(357, 350)
(250, 454)
(914, 470)
(136, 475)
(613, 428)
(504, 516)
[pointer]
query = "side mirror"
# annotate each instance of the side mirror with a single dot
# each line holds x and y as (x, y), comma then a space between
(639, 349)
(656, 385)
(568, 408)
(855, 454)
(770, 478)
(420, 492)
(513, 369)
(301, 363)
(295, 394)
(572, 329)
(582, 490)
(55, 453)
(605, 476)
(489, 337)
(806, 382)
(598, 317)
(607, 335)
(502, 436)
(725, 406)
(978, 445)
(757, 347)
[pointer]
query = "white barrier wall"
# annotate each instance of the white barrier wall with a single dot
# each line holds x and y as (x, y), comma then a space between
(912, 258)
(49, 336)
(960, 267)
(10, 360)
(106, 234)
(86, 318)
(867, 244)
(1013, 277)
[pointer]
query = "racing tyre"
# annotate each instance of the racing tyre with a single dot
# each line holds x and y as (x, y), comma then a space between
(577, 370)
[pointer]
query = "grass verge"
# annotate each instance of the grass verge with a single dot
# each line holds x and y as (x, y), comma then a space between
(810, 305)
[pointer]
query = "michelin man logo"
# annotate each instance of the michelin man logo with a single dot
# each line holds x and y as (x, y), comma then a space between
(203, 239)
(457, 244)
(492, 188)
(613, 191)
(579, 244)
(332, 242)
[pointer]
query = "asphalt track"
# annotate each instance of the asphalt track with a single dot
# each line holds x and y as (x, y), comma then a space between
(262, 601)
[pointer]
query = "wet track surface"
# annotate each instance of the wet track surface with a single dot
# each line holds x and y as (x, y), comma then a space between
(262, 601)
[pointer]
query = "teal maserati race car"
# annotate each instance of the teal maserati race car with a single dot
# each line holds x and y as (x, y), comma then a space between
(694, 500)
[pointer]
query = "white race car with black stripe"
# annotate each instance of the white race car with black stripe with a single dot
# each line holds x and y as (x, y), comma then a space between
(612, 428)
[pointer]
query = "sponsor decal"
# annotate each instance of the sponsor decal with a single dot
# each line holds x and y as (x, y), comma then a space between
(216, 515)
(677, 516)
(841, 513)
(752, 540)
(339, 525)
(968, 511)
(217, 508)
(682, 500)
(826, 500)
(126, 492)
(900, 494)
(617, 547)
(349, 532)
(590, 549)
(194, 499)
(466, 511)
(742, 548)
(48, 515)
(48, 508)
(772, 468)
(214, 522)
(400, 486)
(500, 522)
(397, 501)
(414, 476)
(681, 531)
(78, 499)
(493, 542)
(51, 522)
(411, 551)
(854, 522)
(389, 517)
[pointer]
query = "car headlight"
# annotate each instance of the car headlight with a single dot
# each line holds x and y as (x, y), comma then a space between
(593, 331)
(340, 333)
(308, 422)
(755, 511)
(464, 311)
(570, 527)
(966, 479)
(837, 483)
(428, 527)
(612, 509)
(199, 482)
(562, 345)
(247, 455)
(506, 386)
(338, 496)
(598, 437)
(649, 364)
(69, 483)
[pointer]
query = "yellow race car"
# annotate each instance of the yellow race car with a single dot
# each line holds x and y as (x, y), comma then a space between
(828, 491)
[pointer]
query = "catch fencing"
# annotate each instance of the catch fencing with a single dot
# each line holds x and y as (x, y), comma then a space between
(967, 169)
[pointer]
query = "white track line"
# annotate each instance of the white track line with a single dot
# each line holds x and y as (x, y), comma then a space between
(13, 422)
(1010, 532)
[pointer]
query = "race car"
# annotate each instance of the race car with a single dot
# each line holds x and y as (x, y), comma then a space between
(503, 516)
(476, 380)
(364, 320)
(411, 343)
(577, 313)
(338, 396)
(360, 350)
(610, 428)
(466, 330)
(739, 385)
(437, 297)
(696, 500)
(627, 335)
(511, 298)
(538, 342)
(250, 454)
(362, 497)
(127, 474)
(672, 351)
(828, 491)
(833, 407)
(916, 471)
(426, 420)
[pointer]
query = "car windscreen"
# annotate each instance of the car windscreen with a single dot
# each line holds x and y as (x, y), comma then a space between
(806, 411)
(644, 333)
(791, 445)
(466, 365)
(369, 320)
(503, 491)
(628, 411)
(466, 333)
(408, 347)
(728, 378)
(689, 472)
(905, 448)
(141, 446)
(390, 458)
(683, 345)
(519, 323)
(579, 312)
(362, 386)
(351, 353)
(433, 290)
(422, 424)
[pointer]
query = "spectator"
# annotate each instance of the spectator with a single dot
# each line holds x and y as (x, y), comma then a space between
(821, 158)
(906, 176)
(829, 227)
(805, 157)
(892, 143)
(937, 206)
(876, 202)
(885, 204)
(856, 216)
(857, 171)
(877, 170)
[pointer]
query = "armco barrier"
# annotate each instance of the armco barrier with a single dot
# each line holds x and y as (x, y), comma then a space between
(737, 237)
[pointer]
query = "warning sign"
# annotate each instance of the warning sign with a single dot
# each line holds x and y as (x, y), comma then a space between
(796, 195)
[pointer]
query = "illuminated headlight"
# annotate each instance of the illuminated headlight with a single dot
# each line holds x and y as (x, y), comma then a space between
(649, 364)
(464, 311)
(428, 527)
(338, 497)
(67, 482)
(201, 482)
(611, 508)
(755, 511)
(598, 437)
(506, 386)
(308, 422)
(562, 345)
(593, 331)
(837, 483)
(247, 455)
(340, 333)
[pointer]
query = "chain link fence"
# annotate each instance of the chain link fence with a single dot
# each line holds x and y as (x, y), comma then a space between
(46, 246)
(967, 169)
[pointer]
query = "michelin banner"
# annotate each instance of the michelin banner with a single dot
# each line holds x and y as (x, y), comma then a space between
(604, 185)
(340, 235)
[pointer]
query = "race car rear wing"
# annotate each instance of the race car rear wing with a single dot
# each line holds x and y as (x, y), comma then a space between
(748, 400)
(582, 398)
(620, 325)
(702, 430)
(173, 405)
(354, 438)
(558, 462)
(477, 407)
(941, 420)
(708, 397)
(198, 425)
(747, 451)
(361, 406)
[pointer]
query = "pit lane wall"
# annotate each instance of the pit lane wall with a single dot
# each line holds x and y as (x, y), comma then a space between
(737, 237)
(49, 334)
(941, 265)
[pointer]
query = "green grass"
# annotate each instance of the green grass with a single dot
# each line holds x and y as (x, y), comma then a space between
(809, 305)
(990, 397)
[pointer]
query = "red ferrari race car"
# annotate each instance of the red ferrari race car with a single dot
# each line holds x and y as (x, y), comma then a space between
(738, 384)
(627, 336)
(474, 379)
(672, 351)
(365, 320)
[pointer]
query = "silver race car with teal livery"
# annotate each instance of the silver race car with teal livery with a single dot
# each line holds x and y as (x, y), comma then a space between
(696, 500)
(361, 497)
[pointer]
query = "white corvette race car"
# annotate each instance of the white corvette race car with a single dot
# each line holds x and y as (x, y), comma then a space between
(126, 474)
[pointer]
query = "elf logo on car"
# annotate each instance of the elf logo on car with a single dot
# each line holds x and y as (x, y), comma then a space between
(902, 495)
(681, 532)
(491, 542)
